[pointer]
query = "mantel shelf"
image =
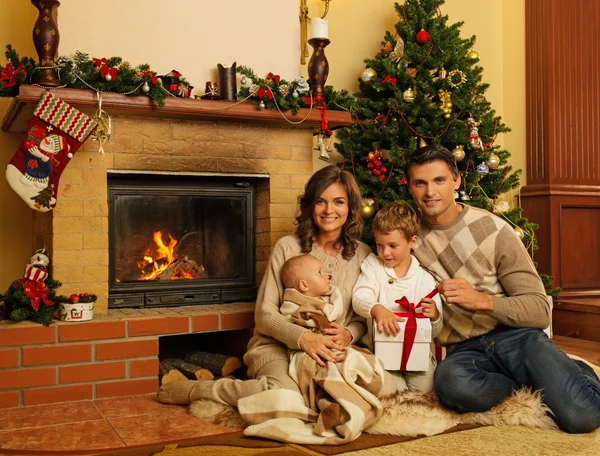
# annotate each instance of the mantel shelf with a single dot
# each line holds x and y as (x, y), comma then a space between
(21, 109)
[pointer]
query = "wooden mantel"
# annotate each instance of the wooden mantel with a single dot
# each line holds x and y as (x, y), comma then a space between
(21, 109)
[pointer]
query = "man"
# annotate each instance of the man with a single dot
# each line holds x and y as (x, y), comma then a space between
(495, 307)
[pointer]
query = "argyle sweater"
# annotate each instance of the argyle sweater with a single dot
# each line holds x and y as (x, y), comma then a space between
(483, 249)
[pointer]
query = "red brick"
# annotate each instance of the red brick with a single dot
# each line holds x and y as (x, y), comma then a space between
(143, 367)
(127, 388)
(57, 394)
(9, 399)
(205, 323)
(22, 378)
(128, 349)
(237, 320)
(9, 358)
(57, 354)
(164, 325)
(91, 331)
(92, 372)
(27, 336)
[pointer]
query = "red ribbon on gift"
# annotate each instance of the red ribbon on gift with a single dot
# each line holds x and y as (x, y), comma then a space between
(37, 292)
(410, 331)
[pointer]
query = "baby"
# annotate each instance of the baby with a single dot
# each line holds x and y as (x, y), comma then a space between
(394, 274)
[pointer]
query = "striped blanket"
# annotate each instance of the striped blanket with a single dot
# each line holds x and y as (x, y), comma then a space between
(337, 403)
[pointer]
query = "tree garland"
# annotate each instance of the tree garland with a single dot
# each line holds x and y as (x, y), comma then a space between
(83, 72)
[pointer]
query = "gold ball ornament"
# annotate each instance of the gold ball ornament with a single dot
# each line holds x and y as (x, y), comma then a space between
(367, 75)
(473, 55)
(367, 209)
(459, 153)
(493, 161)
(409, 95)
(519, 232)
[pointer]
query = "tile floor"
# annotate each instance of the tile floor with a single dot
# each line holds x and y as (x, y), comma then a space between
(137, 420)
(100, 424)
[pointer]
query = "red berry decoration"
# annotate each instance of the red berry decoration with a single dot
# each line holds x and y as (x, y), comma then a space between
(376, 171)
(371, 165)
(74, 298)
(422, 37)
(381, 177)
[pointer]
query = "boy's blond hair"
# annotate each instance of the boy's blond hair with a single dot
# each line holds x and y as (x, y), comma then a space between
(400, 216)
(292, 270)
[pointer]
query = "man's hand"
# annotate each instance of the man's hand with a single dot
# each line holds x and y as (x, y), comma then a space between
(319, 347)
(387, 321)
(430, 310)
(461, 293)
(339, 334)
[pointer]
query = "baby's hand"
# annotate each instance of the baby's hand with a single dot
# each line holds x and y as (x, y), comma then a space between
(430, 310)
(386, 320)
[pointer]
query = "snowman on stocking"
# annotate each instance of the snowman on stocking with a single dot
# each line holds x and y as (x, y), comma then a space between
(55, 133)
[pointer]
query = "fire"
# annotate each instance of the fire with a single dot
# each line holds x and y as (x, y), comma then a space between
(160, 259)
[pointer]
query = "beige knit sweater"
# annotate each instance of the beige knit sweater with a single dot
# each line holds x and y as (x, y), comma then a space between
(484, 250)
(273, 333)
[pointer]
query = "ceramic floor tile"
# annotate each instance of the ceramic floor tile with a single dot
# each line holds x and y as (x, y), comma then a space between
(163, 427)
(48, 415)
(131, 406)
(88, 435)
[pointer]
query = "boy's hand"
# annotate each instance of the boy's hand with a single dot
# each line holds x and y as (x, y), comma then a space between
(430, 310)
(338, 333)
(386, 320)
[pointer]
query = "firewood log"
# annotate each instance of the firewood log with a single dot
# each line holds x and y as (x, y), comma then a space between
(191, 371)
(169, 374)
(220, 365)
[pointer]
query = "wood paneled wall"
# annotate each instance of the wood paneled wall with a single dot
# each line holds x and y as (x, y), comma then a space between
(563, 140)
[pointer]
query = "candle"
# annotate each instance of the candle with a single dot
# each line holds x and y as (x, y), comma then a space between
(318, 28)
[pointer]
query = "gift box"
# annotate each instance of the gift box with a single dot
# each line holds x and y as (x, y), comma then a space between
(389, 349)
(176, 85)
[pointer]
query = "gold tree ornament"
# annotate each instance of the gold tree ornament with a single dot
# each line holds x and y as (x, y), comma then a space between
(367, 208)
(398, 51)
(473, 55)
(367, 75)
(409, 95)
(458, 153)
(519, 232)
(456, 78)
(493, 161)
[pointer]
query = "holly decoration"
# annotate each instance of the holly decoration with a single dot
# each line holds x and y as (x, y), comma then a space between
(375, 165)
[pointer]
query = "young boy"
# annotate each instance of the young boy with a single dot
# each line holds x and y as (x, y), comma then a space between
(311, 301)
(394, 274)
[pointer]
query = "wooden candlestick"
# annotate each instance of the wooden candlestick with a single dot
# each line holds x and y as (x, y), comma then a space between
(46, 39)
(318, 67)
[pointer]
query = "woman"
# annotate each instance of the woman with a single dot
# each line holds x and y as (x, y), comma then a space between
(329, 226)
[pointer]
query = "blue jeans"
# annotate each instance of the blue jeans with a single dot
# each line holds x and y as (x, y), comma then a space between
(479, 373)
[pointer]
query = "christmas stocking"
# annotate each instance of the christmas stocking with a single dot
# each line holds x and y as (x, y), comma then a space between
(55, 133)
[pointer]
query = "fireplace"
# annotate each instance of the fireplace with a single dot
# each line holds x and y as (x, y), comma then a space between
(181, 240)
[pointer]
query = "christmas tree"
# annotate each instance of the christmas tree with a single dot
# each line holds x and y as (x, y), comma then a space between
(425, 86)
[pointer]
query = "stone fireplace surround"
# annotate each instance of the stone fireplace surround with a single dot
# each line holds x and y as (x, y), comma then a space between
(116, 354)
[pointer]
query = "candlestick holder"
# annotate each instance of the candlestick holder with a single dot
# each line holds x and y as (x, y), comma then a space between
(227, 82)
(46, 39)
(318, 67)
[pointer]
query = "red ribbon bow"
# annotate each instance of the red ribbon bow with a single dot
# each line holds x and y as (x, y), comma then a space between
(153, 77)
(389, 79)
(274, 76)
(36, 292)
(9, 74)
(262, 92)
(410, 331)
(105, 69)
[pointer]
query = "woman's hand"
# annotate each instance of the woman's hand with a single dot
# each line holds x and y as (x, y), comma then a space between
(430, 310)
(339, 334)
(319, 347)
(387, 321)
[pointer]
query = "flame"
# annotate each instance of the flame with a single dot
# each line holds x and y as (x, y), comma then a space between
(162, 252)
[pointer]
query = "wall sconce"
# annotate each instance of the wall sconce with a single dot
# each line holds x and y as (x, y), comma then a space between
(320, 25)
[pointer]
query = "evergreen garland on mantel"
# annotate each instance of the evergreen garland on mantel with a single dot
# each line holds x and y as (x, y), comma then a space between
(83, 72)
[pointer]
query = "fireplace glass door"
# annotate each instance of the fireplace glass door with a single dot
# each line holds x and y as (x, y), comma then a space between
(180, 241)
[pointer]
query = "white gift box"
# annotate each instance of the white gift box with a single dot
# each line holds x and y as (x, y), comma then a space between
(78, 311)
(389, 348)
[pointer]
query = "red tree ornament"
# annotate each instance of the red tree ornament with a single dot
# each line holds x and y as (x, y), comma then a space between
(422, 37)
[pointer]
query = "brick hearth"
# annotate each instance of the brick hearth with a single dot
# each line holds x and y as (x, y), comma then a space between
(116, 354)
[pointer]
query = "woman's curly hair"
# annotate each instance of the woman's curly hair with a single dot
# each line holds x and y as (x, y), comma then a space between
(307, 229)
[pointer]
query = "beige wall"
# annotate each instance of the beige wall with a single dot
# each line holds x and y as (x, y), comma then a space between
(194, 36)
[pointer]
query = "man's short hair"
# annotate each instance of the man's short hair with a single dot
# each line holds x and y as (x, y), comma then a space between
(293, 269)
(428, 154)
(400, 216)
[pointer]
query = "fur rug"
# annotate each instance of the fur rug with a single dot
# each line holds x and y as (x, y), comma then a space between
(412, 414)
